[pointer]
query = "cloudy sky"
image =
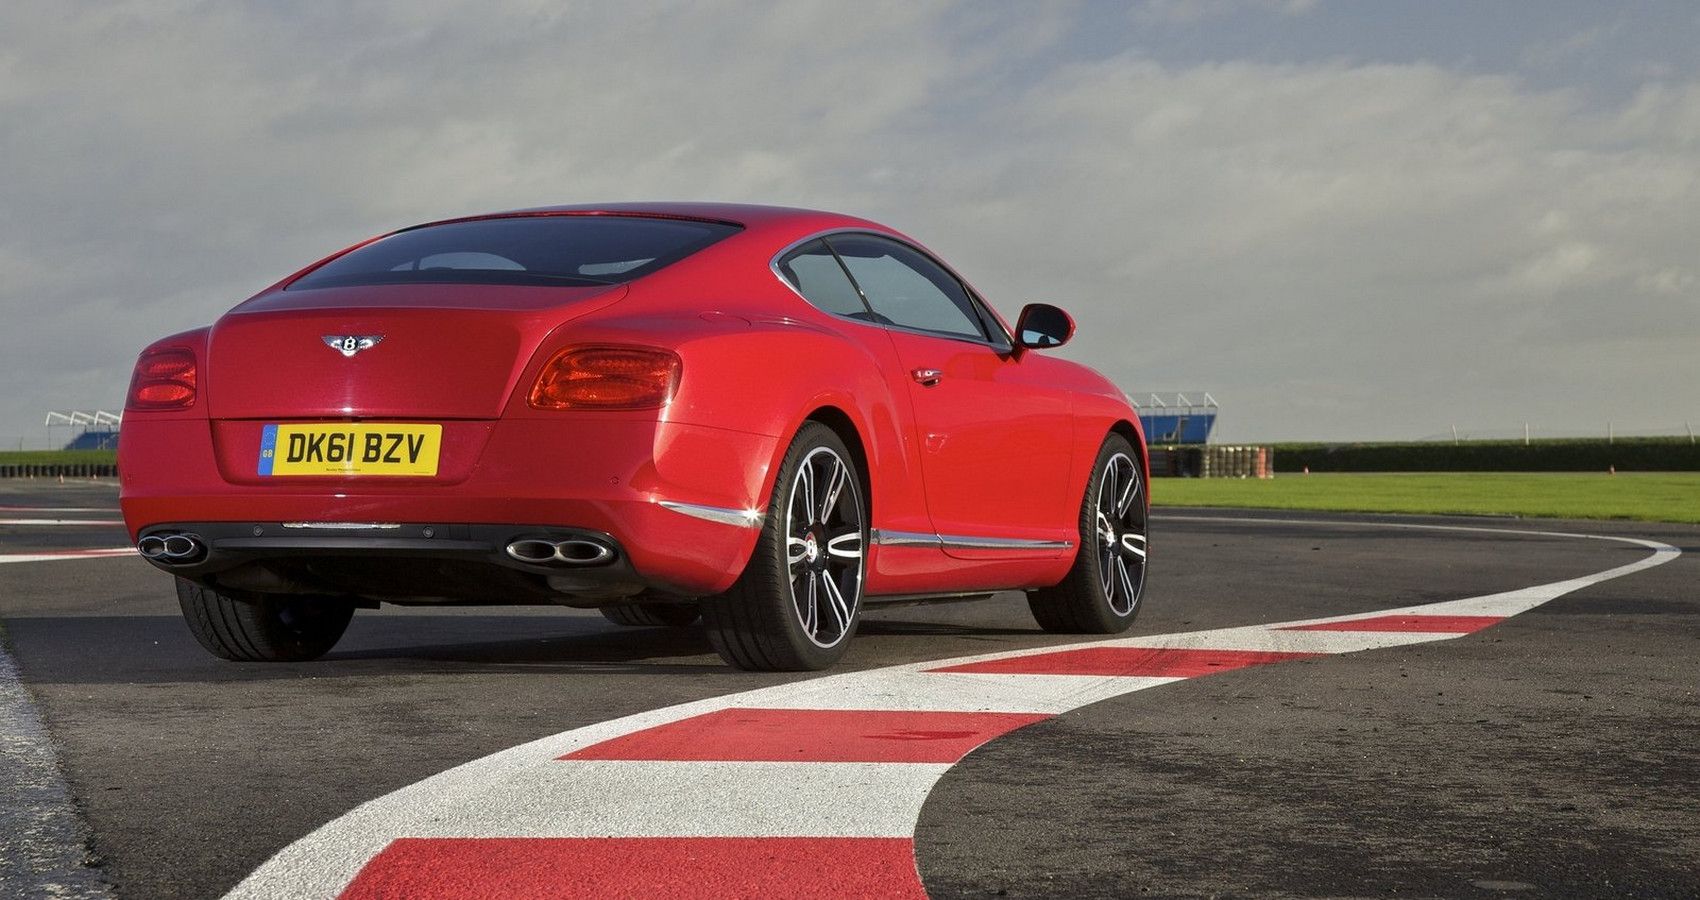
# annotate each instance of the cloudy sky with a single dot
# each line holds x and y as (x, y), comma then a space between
(1345, 220)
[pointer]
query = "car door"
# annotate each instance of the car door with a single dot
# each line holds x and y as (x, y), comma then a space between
(995, 438)
(814, 272)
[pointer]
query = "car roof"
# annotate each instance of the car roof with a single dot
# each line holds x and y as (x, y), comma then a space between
(746, 214)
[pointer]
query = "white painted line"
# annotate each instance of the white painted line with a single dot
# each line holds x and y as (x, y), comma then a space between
(913, 688)
(59, 522)
(57, 509)
(1271, 638)
(52, 555)
(42, 839)
(624, 798)
(528, 790)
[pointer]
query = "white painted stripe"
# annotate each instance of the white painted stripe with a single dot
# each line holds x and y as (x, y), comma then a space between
(57, 509)
(43, 840)
(60, 522)
(528, 790)
(51, 555)
(912, 688)
(627, 798)
(1274, 639)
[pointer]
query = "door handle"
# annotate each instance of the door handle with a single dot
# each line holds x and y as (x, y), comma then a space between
(927, 377)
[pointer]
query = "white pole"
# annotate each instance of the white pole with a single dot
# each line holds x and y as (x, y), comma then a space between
(1611, 438)
(1454, 434)
(1690, 432)
(1525, 434)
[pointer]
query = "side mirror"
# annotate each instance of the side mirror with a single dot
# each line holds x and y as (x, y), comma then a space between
(1042, 325)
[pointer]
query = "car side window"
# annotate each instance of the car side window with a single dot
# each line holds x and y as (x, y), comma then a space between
(816, 274)
(906, 288)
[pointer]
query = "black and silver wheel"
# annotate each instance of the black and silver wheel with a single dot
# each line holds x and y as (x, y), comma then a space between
(268, 628)
(1103, 590)
(650, 615)
(798, 601)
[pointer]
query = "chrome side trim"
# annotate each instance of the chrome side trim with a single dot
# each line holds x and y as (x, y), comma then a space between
(345, 526)
(743, 518)
(887, 538)
(968, 542)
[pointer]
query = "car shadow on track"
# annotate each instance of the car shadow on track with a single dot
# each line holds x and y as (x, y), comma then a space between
(158, 649)
(900, 628)
(592, 647)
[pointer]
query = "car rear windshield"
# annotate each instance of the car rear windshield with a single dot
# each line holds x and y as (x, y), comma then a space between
(571, 250)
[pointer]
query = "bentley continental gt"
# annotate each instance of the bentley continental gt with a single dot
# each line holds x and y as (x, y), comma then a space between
(767, 418)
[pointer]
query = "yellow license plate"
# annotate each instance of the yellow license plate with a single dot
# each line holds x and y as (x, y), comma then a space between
(348, 449)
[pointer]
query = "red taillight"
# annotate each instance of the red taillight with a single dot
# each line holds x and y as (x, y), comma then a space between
(164, 379)
(606, 378)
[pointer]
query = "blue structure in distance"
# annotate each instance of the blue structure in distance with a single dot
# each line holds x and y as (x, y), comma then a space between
(91, 429)
(1177, 418)
(94, 439)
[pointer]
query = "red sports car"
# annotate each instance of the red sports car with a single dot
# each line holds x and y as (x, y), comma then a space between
(766, 417)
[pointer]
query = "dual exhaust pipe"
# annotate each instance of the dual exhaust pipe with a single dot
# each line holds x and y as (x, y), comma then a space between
(570, 552)
(172, 549)
(186, 549)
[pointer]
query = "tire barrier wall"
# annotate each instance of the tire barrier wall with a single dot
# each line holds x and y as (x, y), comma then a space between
(59, 470)
(1212, 461)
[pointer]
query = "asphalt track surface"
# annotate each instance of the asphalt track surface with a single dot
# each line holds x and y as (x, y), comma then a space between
(1553, 753)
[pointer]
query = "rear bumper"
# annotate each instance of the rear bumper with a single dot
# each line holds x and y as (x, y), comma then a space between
(621, 480)
(467, 563)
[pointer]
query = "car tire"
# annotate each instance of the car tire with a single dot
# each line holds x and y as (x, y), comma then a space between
(1106, 585)
(274, 628)
(798, 601)
(650, 615)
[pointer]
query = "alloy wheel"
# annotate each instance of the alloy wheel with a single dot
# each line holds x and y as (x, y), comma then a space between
(823, 546)
(1121, 534)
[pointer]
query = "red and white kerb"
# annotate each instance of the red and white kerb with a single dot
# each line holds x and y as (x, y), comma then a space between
(807, 789)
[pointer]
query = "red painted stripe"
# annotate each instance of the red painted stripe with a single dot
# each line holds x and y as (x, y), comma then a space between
(1431, 624)
(672, 868)
(1143, 661)
(812, 735)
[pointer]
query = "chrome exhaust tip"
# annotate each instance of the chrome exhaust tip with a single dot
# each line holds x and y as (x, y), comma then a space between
(532, 551)
(180, 547)
(583, 553)
(172, 549)
(570, 552)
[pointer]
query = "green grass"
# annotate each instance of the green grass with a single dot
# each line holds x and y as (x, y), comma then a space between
(1646, 496)
(57, 457)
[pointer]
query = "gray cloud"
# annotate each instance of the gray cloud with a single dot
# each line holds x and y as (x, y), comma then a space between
(1338, 250)
(1188, 12)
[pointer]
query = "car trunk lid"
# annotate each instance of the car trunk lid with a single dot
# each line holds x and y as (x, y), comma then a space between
(384, 352)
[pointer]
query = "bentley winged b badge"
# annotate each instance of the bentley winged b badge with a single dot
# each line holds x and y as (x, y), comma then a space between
(350, 344)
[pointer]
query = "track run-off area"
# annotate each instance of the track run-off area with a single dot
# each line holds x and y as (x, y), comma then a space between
(1348, 740)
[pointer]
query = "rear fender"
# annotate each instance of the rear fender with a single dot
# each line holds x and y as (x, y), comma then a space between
(782, 372)
(762, 376)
